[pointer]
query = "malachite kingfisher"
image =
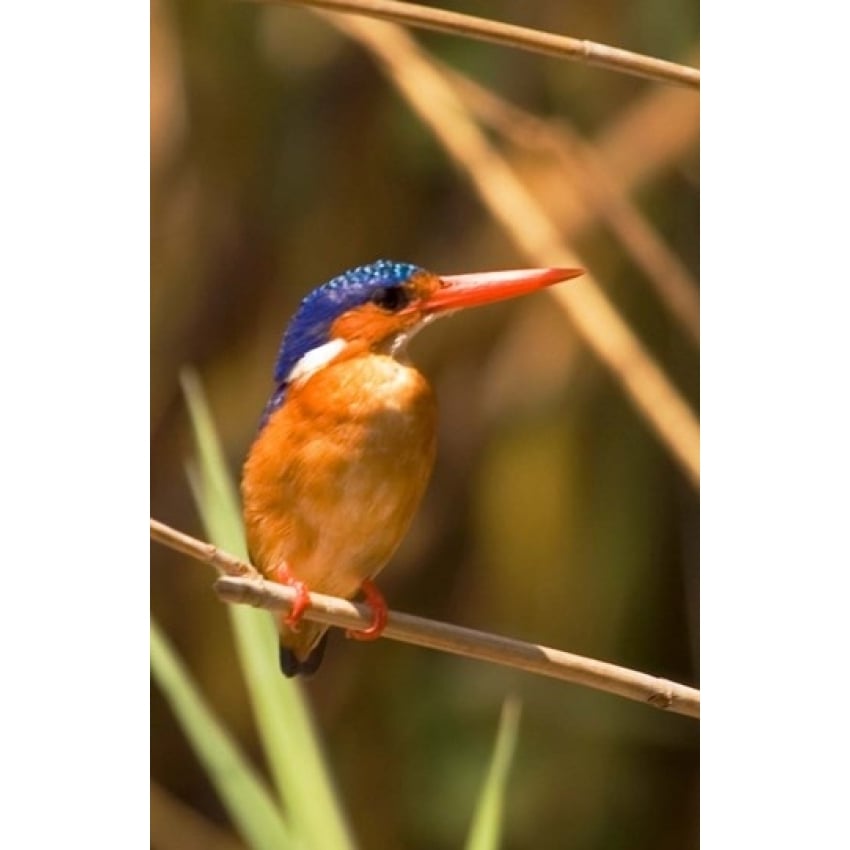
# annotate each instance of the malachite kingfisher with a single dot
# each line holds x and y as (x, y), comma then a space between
(346, 442)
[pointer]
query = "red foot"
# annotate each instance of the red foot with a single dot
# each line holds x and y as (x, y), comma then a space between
(379, 614)
(302, 597)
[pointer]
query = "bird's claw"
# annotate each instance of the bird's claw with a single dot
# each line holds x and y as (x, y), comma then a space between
(376, 601)
(301, 602)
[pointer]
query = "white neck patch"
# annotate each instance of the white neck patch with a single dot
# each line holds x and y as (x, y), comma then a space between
(399, 346)
(314, 360)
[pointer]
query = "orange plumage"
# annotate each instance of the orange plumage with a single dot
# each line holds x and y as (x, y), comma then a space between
(347, 441)
(336, 475)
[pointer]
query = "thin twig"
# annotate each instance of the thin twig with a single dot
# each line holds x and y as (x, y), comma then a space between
(524, 38)
(241, 584)
(437, 103)
(206, 552)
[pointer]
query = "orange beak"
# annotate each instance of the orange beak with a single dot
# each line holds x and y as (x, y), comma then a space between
(470, 290)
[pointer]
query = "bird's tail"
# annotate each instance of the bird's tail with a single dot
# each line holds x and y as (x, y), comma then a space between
(301, 652)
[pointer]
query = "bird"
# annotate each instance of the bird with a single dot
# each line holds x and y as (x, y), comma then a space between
(346, 442)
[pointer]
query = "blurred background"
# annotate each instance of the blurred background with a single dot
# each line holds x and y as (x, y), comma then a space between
(280, 156)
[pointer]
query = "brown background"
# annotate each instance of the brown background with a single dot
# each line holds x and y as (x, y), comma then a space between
(280, 157)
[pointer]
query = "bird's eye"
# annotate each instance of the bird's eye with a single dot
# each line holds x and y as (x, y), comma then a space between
(391, 298)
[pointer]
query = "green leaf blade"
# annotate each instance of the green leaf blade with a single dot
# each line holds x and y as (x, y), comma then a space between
(249, 804)
(283, 717)
(486, 830)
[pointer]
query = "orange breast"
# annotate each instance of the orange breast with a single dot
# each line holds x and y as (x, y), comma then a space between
(333, 480)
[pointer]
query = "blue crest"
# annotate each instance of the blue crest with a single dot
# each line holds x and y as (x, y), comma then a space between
(311, 325)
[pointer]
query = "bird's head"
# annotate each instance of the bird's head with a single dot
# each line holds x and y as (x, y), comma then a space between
(378, 307)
